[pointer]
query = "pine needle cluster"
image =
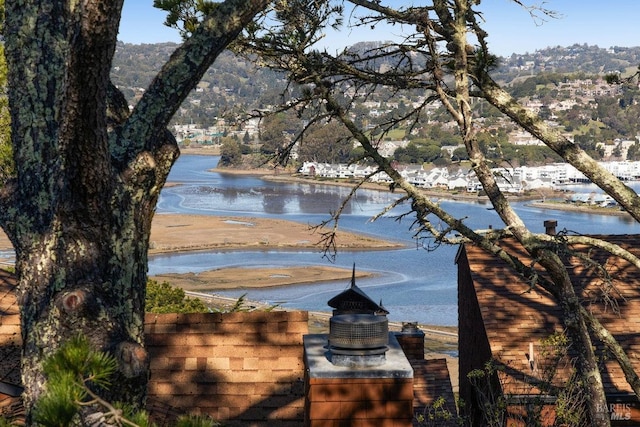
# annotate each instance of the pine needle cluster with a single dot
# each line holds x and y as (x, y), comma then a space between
(75, 373)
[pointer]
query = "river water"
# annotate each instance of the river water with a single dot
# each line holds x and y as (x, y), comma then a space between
(414, 284)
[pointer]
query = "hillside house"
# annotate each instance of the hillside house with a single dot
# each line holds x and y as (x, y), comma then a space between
(501, 318)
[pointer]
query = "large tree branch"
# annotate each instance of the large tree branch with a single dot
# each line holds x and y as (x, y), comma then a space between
(36, 70)
(59, 58)
(603, 334)
(145, 127)
(456, 32)
(574, 155)
(609, 247)
(92, 42)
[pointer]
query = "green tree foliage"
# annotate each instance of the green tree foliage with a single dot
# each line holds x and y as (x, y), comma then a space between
(230, 152)
(437, 414)
(418, 153)
(633, 154)
(277, 131)
(164, 298)
(185, 15)
(7, 167)
(326, 142)
(75, 371)
(460, 153)
(196, 421)
(72, 371)
(589, 144)
(531, 155)
(619, 113)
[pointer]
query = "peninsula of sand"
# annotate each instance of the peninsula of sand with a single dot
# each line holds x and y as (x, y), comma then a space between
(176, 233)
(180, 233)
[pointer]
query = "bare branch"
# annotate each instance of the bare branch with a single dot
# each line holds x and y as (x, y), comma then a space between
(328, 240)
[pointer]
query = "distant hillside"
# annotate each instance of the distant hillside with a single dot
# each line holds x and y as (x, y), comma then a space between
(233, 82)
(230, 83)
(578, 58)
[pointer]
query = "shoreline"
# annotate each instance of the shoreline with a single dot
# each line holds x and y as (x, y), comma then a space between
(456, 195)
(288, 176)
(589, 209)
(533, 200)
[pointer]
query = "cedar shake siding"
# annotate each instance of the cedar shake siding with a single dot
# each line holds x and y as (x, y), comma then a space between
(502, 313)
(240, 368)
(473, 345)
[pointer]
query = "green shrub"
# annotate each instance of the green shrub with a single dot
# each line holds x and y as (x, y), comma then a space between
(164, 298)
(73, 372)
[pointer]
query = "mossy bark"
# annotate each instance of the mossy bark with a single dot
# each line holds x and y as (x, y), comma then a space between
(89, 173)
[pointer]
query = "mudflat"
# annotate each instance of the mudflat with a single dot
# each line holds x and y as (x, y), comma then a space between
(250, 278)
(179, 233)
(174, 233)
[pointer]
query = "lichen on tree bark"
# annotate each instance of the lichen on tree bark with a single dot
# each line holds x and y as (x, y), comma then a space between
(88, 175)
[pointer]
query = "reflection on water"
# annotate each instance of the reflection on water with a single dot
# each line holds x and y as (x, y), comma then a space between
(264, 197)
(413, 284)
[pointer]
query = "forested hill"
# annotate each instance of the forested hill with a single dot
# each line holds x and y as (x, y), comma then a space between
(578, 58)
(234, 83)
(230, 83)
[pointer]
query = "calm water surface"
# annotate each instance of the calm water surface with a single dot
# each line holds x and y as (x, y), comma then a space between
(413, 284)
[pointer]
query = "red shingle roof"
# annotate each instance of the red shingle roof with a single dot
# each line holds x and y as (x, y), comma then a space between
(517, 317)
(431, 381)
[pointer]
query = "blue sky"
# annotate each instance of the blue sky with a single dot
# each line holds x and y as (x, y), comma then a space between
(510, 28)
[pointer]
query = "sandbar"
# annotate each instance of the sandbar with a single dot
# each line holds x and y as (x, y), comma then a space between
(179, 232)
(175, 233)
(172, 233)
(259, 277)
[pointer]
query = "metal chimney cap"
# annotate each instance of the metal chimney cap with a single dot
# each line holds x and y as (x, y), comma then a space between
(366, 333)
(354, 300)
(550, 227)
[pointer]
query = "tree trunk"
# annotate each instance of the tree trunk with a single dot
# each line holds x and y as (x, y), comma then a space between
(89, 174)
(80, 226)
(578, 333)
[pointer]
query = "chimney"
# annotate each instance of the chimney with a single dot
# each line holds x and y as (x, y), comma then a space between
(358, 373)
(550, 227)
(358, 329)
(411, 339)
